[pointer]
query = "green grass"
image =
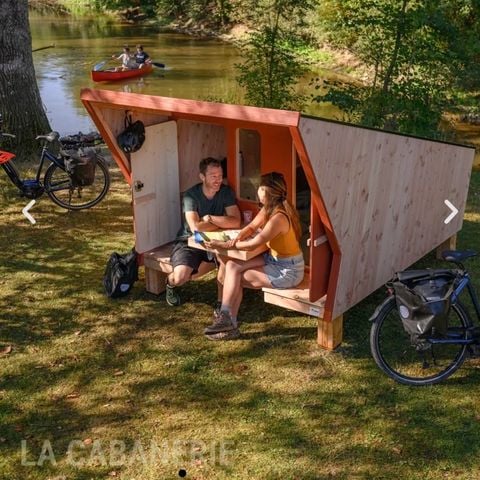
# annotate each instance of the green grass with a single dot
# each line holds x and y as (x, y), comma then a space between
(134, 374)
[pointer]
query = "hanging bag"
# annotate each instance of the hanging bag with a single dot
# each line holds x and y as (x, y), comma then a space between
(423, 302)
(120, 274)
(132, 138)
(81, 165)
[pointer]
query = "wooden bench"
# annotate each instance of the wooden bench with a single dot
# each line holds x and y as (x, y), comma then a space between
(158, 266)
(329, 333)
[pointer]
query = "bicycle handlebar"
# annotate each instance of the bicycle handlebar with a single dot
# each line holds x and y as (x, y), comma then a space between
(2, 134)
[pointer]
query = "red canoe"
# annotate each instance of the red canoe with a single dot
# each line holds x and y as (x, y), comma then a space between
(110, 75)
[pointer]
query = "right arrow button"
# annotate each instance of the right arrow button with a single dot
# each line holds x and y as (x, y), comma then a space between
(452, 214)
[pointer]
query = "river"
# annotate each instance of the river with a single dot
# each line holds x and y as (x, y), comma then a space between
(195, 68)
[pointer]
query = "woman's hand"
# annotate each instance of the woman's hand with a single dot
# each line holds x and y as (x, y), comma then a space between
(220, 244)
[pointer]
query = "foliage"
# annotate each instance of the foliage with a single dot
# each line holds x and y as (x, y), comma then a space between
(214, 11)
(416, 53)
(271, 65)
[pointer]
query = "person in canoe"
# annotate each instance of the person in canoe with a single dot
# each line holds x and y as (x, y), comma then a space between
(142, 58)
(128, 60)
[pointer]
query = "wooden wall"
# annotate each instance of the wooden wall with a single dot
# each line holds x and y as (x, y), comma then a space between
(384, 194)
(197, 140)
(110, 122)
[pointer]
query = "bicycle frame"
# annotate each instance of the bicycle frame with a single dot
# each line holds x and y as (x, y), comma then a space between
(14, 176)
(465, 282)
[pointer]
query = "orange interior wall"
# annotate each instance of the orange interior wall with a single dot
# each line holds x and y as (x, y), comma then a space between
(276, 155)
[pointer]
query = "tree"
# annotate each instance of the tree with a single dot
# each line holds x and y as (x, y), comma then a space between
(271, 66)
(416, 54)
(20, 101)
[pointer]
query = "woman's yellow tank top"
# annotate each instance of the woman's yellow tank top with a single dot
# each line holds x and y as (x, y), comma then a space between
(284, 245)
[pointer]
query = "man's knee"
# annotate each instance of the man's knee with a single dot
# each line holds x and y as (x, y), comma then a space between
(181, 274)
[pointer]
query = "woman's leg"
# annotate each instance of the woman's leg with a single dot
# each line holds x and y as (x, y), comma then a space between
(233, 282)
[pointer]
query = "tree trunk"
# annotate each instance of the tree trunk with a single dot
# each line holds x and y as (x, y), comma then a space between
(20, 101)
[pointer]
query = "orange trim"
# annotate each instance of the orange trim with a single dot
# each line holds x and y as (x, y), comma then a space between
(322, 211)
(195, 108)
(317, 196)
(111, 142)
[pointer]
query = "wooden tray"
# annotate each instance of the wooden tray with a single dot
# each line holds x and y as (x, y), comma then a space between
(238, 254)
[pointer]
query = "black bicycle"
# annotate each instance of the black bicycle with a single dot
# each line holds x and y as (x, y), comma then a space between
(63, 181)
(425, 352)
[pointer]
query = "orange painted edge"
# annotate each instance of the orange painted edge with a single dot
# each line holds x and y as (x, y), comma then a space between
(110, 141)
(195, 108)
(322, 211)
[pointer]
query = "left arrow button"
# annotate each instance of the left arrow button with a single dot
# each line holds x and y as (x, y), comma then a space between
(29, 215)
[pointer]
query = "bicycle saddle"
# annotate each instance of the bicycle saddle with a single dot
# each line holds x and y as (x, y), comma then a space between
(458, 255)
(50, 137)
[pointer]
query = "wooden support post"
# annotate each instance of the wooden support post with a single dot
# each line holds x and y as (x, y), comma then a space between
(330, 334)
(155, 280)
(448, 244)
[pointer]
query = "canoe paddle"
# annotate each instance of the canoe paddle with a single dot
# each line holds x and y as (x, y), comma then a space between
(158, 64)
(99, 65)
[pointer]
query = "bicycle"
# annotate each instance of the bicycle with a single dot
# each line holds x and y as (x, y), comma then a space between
(428, 358)
(59, 183)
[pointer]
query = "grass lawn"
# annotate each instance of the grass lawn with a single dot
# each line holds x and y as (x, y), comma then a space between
(92, 388)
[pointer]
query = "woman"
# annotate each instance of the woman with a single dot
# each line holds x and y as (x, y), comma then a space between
(281, 267)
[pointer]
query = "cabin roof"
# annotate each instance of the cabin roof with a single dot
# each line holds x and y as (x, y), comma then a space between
(191, 108)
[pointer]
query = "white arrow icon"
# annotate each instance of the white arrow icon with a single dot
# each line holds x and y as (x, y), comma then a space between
(453, 209)
(28, 215)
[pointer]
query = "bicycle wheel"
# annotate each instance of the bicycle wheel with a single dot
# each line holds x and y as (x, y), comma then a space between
(428, 364)
(60, 188)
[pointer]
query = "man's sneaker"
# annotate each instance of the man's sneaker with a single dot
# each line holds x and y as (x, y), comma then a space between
(171, 296)
(222, 323)
(231, 335)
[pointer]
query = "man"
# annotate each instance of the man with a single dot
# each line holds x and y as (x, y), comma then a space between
(141, 57)
(207, 206)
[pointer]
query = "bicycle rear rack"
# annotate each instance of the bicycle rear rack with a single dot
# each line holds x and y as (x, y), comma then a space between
(5, 156)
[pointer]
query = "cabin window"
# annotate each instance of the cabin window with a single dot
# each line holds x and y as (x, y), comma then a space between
(248, 164)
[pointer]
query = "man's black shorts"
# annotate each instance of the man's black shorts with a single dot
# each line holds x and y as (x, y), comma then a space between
(182, 254)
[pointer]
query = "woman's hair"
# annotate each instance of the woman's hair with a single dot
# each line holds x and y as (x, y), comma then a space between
(276, 200)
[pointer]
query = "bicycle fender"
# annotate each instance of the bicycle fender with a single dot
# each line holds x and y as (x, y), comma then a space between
(379, 308)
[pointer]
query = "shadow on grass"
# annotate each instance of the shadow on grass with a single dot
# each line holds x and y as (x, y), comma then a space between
(85, 367)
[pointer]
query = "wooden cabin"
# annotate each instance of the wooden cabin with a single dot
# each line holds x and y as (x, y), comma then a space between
(371, 202)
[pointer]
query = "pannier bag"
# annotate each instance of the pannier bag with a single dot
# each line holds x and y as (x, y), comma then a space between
(81, 164)
(132, 138)
(424, 302)
(120, 274)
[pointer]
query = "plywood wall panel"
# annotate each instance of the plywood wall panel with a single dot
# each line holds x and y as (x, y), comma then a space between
(197, 140)
(156, 196)
(385, 196)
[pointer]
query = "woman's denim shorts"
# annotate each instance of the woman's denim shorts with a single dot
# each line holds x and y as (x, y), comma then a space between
(284, 272)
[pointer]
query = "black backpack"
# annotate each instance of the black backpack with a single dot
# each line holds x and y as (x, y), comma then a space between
(120, 274)
(132, 138)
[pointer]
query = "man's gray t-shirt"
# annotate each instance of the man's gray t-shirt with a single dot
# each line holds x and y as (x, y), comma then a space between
(194, 200)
